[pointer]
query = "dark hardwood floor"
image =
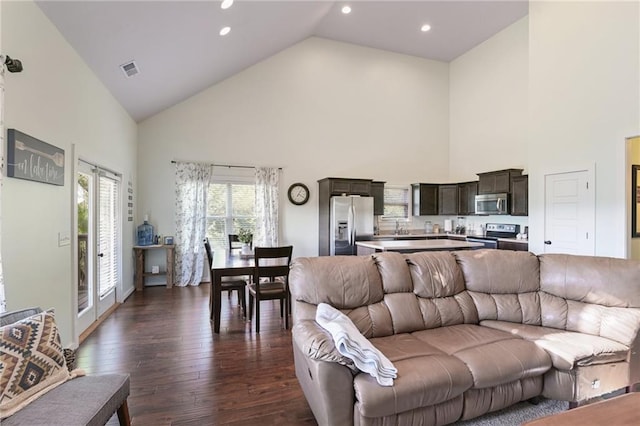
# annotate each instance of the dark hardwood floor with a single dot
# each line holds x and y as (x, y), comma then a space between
(183, 374)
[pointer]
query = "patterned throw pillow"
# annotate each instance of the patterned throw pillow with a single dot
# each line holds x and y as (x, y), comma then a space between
(31, 361)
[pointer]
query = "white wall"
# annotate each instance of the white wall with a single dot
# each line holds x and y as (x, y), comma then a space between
(584, 100)
(59, 100)
(489, 105)
(488, 111)
(320, 108)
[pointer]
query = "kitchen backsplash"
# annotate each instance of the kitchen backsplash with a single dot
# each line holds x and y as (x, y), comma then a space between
(473, 224)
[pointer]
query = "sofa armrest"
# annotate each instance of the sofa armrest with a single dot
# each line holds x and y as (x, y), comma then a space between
(634, 362)
(7, 318)
(316, 343)
(325, 376)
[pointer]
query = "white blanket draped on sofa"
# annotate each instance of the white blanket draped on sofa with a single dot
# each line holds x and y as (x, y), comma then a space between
(352, 344)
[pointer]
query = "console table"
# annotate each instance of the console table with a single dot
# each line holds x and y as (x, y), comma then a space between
(140, 273)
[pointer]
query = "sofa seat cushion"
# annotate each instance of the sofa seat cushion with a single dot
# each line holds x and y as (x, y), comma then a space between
(493, 357)
(426, 376)
(568, 349)
(85, 401)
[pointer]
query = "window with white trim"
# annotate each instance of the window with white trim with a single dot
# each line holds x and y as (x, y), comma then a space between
(230, 207)
(396, 202)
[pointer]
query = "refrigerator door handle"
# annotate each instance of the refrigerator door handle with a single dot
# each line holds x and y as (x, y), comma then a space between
(350, 224)
(354, 227)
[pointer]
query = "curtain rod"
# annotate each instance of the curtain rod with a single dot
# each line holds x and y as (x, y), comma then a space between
(221, 165)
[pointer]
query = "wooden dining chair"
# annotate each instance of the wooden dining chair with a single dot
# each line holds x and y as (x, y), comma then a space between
(235, 244)
(270, 280)
(228, 283)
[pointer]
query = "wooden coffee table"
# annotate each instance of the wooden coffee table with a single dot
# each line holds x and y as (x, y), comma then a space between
(620, 410)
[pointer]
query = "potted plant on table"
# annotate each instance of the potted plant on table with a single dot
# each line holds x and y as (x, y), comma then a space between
(245, 236)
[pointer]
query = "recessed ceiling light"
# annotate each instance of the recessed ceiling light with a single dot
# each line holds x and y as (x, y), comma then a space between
(346, 10)
(226, 4)
(225, 31)
(425, 28)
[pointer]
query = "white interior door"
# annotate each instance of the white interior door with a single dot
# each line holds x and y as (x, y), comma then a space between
(569, 214)
(99, 242)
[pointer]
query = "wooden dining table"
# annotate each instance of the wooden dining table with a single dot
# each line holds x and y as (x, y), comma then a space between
(225, 264)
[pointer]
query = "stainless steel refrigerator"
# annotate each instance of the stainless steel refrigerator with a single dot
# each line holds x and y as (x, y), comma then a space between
(351, 220)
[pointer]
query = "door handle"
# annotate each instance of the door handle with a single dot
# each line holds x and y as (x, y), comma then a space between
(350, 224)
(100, 254)
(548, 242)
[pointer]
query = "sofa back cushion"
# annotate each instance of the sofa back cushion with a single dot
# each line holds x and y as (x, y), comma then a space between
(438, 284)
(424, 290)
(344, 282)
(599, 280)
(591, 295)
(349, 283)
(503, 284)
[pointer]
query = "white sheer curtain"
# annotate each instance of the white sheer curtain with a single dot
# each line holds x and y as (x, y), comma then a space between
(267, 194)
(192, 182)
(3, 301)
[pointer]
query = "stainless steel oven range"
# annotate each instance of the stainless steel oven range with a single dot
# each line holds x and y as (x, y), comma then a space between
(493, 231)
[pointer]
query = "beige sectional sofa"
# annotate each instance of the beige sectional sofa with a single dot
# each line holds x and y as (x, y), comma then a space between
(470, 332)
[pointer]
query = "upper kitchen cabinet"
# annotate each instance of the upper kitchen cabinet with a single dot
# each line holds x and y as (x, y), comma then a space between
(520, 195)
(425, 199)
(448, 199)
(467, 198)
(377, 192)
(340, 186)
(497, 182)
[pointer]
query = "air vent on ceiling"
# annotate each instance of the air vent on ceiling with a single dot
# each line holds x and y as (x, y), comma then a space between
(130, 69)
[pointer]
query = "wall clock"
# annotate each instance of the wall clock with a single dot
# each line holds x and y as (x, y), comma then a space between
(298, 193)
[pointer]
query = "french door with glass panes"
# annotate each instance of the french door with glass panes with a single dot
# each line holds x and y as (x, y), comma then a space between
(98, 240)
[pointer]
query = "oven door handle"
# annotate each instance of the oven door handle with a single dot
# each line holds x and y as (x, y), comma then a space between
(487, 243)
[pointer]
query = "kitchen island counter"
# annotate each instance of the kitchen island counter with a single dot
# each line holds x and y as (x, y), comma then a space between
(410, 236)
(410, 246)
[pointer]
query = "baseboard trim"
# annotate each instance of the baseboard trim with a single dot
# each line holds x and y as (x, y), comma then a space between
(127, 294)
(97, 322)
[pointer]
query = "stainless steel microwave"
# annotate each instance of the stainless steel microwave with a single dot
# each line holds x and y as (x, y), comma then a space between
(488, 204)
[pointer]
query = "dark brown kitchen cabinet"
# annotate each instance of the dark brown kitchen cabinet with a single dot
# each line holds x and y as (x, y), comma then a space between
(425, 199)
(467, 198)
(497, 182)
(339, 186)
(448, 199)
(520, 195)
(377, 192)
(509, 245)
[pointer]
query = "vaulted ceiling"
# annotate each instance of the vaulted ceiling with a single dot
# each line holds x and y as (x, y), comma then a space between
(178, 50)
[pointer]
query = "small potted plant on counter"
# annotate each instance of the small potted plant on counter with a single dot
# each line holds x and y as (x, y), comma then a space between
(245, 236)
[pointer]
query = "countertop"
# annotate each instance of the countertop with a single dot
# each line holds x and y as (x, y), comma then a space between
(411, 235)
(418, 245)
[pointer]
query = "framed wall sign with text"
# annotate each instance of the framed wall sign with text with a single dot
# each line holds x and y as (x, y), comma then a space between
(635, 201)
(32, 159)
